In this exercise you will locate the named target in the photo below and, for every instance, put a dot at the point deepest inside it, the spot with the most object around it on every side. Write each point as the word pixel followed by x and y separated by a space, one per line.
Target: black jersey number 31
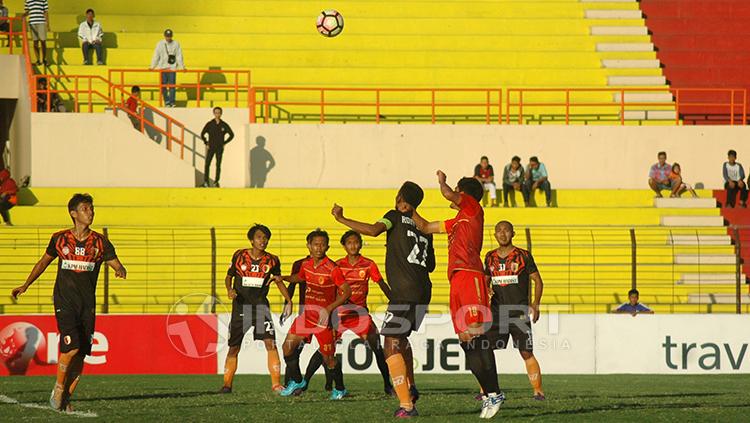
pixel 418 254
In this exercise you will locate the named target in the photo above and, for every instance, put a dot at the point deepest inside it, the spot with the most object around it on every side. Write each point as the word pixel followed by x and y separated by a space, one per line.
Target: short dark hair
pixel 90 10
pixel 675 164
pixel 411 193
pixel 505 222
pixel 349 233
pixel 662 153
pixel 516 159
pixel 318 233
pixel 219 108
pixel 135 89
pixel 633 292
pixel 258 227
pixel 471 186
pixel 732 153
pixel 484 158
pixel 79 199
pixel 534 159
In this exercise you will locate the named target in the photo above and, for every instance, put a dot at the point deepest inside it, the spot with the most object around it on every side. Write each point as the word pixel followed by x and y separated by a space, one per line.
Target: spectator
pixel 132 105
pixel 512 178
pixel 658 176
pixel 633 307
pixel 37 13
pixel 90 32
pixel 55 103
pixel 536 178
pixel 217 131
pixel 486 175
pixel 8 191
pixel 734 180
pixel 168 58
pixel 679 186
pixel 4 23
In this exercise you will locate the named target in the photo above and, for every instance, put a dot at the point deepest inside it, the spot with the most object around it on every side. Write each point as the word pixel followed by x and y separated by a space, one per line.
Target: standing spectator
pixel 512 178
pixel 678 185
pixel 536 178
pixel 658 176
pixel 91 34
pixel 132 105
pixel 734 180
pixel 486 175
pixel 55 103
pixel 168 58
pixel 36 11
pixel 633 307
pixel 4 23
pixel 217 131
pixel 8 199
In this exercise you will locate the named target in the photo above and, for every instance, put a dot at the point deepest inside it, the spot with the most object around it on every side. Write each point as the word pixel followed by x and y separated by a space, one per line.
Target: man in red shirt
pixel 132 105
pixel 8 198
pixel 486 175
pixel 325 289
pixel 469 300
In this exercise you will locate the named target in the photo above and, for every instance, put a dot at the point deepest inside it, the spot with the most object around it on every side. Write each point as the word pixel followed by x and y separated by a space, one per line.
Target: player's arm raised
pixel 369 229
pixel 119 269
pixel 37 271
pixel 538 289
pixel 448 193
pixel 424 226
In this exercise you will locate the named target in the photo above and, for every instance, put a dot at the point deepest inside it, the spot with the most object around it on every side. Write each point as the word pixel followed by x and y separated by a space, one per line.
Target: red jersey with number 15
pixel 358 276
pixel 465 236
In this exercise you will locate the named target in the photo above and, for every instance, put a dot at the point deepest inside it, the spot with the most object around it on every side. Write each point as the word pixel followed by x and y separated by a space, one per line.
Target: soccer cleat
pixel 56 397
pixel 277 388
pixel 293 388
pixel 414 394
pixel 491 405
pixel 225 390
pixel 479 397
pixel 337 395
pixel 539 397
pixel 403 413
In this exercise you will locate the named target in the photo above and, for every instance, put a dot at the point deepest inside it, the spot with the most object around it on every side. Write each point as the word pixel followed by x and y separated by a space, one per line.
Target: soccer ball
pixel 330 23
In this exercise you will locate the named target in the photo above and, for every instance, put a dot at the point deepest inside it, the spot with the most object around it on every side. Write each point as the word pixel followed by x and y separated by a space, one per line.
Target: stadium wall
pixel 13 86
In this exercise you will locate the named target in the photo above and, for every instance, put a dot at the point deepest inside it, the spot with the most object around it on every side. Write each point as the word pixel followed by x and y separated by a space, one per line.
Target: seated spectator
pixel 8 198
pixel 658 176
pixel 486 175
pixel 132 105
pixel 513 176
pixel 678 185
pixel 633 307
pixel 734 180
pixel 536 178
pixel 91 34
pixel 55 103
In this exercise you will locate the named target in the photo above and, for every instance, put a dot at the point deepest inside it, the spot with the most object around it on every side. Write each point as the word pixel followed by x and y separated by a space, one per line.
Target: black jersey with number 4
pixel 78 267
pixel 252 277
pixel 509 276
pixel 409 258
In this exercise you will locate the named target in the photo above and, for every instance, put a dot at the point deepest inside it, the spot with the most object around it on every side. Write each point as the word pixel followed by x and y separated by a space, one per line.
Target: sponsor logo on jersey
pixel 78 266
pixel 505 280
pixel 252 282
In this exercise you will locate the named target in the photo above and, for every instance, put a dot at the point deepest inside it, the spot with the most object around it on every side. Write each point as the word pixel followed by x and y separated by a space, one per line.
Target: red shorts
pixel 306 326
pixel 469 301
pixel 359 324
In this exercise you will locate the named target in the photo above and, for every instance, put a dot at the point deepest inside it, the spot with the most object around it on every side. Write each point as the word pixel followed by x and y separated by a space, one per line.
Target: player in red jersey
pixel 325 290
pixel 81 253
pixel 469 299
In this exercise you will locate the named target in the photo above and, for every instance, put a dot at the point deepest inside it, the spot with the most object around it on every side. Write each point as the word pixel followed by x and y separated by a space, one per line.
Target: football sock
pixel 230 367
pixel 62 369
pixel 535 374
pixel 382 366
pixel 274 367
pixel 74 373
pixel 480 359
pixel 338 376
pixel 409 363
pixel 293 373
pixel 313 365
pixel 397 367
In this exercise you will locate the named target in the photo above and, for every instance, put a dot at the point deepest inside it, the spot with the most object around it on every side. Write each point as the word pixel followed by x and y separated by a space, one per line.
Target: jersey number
pixel 418 253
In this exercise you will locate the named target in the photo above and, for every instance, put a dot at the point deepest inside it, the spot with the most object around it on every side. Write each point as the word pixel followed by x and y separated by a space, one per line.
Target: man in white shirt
pixel 168 58
pixel 734 180
pixel 90 33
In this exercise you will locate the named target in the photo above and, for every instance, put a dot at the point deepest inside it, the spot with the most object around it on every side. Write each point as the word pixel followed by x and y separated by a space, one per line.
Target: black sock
pixel 481 360
pixel 315 362
pixel 383 366
pixel 292 372
pixel 338 376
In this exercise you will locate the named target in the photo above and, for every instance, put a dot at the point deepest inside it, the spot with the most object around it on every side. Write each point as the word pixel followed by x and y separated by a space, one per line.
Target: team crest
pixel 67 339
pixel 321 280
pixel 266 268
pixel 243 267
pixel 514 267
pixel 361 273
pixel 96 251
pixel 66 250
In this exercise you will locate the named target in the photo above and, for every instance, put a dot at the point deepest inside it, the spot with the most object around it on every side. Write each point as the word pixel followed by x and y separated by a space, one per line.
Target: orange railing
pixel 375 102
pixel 731 102
pixel 206 80
pixel 83 92
pixel 13 33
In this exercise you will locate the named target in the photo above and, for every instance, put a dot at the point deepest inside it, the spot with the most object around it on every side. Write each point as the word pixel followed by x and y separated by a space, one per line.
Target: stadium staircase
pixel 583 246
pixel 396 44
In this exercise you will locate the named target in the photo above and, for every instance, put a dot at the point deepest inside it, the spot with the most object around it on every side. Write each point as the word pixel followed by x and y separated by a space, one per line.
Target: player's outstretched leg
pixel 230 368
pixel 397 368
pixel 274 365
pixel 334 367
pixel 373 340
pixel 292 348
pixel 316 361
pixel 535 374
pixel 481 361
pixel 57 396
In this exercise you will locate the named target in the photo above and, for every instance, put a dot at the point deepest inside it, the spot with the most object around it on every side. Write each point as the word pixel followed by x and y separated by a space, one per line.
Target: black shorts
pixel 76 327
pixel 402 318
pixel 504 327
pixel 246 316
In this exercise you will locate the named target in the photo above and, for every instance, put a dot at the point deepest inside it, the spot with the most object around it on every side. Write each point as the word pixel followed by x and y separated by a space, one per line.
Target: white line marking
pixel 8 400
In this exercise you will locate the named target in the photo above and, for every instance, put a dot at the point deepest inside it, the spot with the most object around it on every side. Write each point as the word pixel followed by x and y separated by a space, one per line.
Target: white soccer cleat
pixel 491 405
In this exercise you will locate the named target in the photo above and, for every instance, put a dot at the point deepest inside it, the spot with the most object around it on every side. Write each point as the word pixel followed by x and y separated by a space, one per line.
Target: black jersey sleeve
pixel 530 264
pixel 276 268
pixel 232 271
pixel 51 249
pixel 391 219
pixel 109 251
pixel 487 263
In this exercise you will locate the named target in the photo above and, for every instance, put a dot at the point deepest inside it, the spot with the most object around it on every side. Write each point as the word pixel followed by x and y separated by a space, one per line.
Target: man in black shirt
pixel 81 252
pixel 410 257
pixel 217 131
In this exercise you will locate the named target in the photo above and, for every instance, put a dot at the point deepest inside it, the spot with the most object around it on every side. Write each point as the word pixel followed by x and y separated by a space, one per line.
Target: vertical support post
pixel 633 261
pixel 105 303
pixel 528 240
pixel 738 267
pixel 251 104
pixel 520 107
pixel 213 270
pixel 198 89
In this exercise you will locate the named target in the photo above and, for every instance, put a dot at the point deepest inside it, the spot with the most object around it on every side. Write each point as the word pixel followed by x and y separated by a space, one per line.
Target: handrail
pixel 23 33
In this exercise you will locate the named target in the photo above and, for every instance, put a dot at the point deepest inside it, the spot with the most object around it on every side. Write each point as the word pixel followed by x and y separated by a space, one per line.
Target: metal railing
pixel 585 270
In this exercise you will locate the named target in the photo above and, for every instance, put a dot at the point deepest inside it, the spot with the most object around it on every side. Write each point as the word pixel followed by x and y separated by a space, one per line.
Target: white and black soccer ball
pixel 330 23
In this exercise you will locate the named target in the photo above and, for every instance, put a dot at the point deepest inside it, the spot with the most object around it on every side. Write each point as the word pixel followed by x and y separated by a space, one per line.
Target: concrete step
pixel 705 259
pixel 717 298
pixel 638 81
pixel 645 97
pixel 612 14
pixel 630 64
pixel 619 30
pixel 629 47
pixel 649 115
pixel 710 279
pixel 700 240
pixel 691 221
pixel 684 203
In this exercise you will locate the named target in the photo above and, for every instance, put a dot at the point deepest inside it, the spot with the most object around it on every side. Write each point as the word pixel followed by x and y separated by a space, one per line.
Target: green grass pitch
pixel 641 398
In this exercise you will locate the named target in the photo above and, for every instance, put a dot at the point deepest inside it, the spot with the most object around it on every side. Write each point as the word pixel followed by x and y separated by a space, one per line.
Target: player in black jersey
pixel 81 253
pixel 410 257
pixel 248 280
